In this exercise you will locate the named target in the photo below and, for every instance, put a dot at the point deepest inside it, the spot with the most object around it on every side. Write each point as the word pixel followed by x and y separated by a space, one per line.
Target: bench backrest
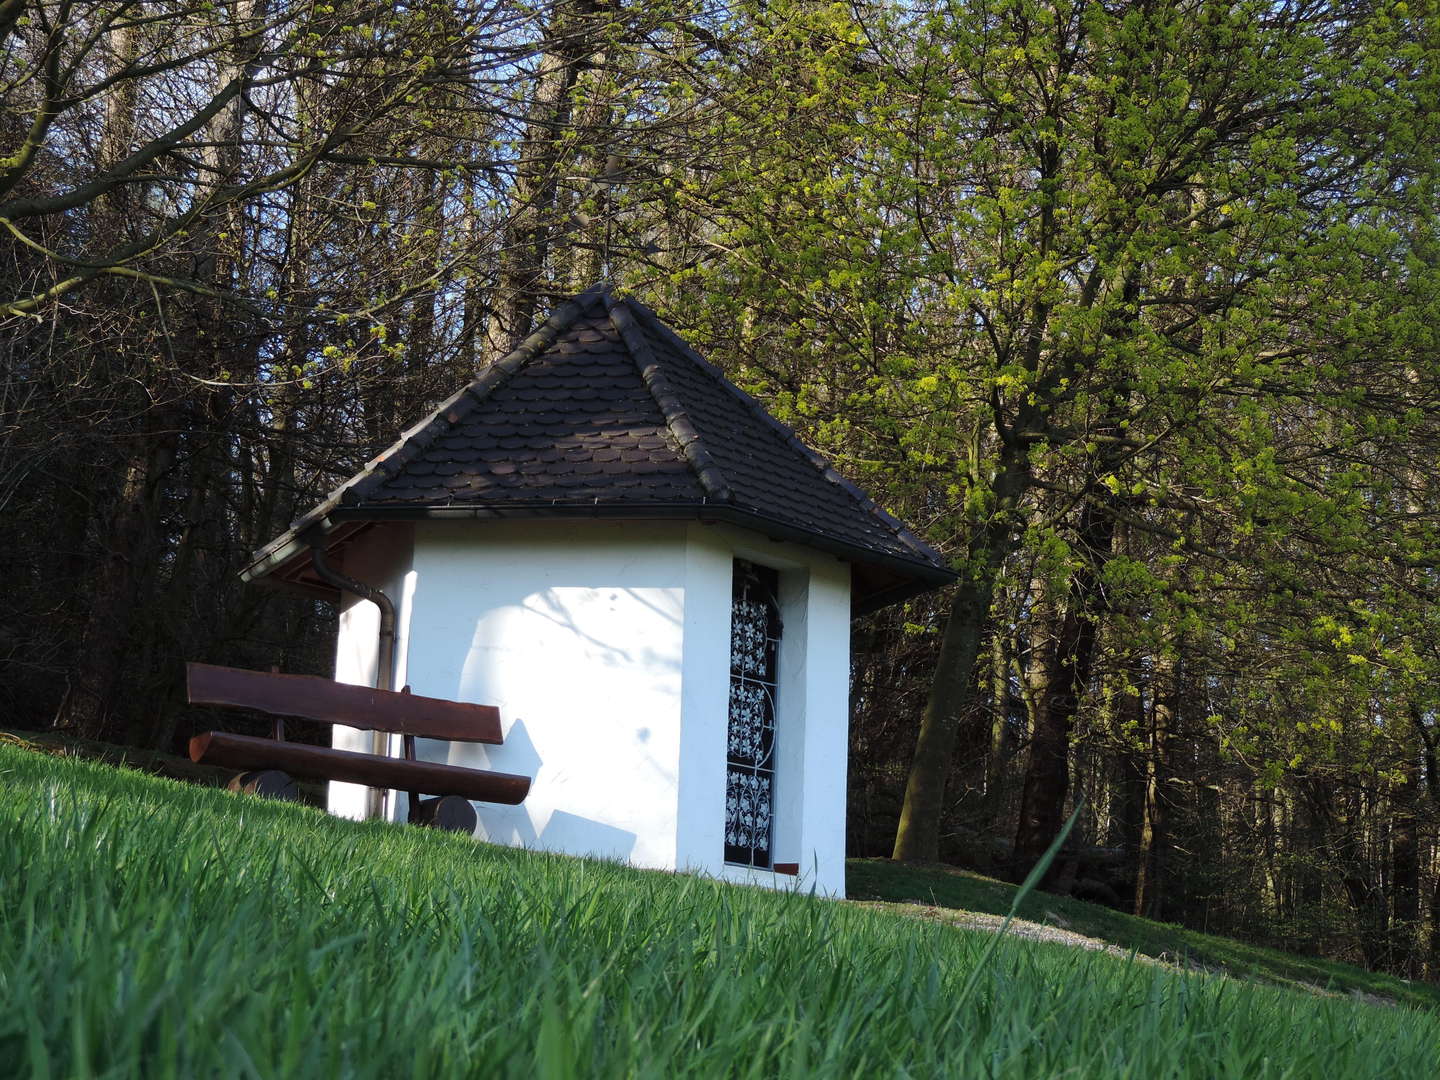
pixel 307 697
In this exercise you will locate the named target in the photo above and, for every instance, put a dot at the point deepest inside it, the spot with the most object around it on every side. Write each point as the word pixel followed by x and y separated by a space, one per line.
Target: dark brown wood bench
pixel 323 701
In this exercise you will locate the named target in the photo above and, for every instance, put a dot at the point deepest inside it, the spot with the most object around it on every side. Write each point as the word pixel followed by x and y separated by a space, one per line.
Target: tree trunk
pixel 999 750
pixel 917 839
pixel 129 554
pixel 1066 676
pixel 1367 903
pixel 1430 755
pixel 1128 772
pixel 125 533
pixel 1150 856
pixel 117 134
pixel 1405 873
pixel 1274 892
pixel 532 224
pixel 1042 793
pixel 1309 884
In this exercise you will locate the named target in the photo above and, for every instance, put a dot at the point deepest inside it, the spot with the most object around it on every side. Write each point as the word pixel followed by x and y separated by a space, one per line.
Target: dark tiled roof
pixel 573 424
pixel 606 411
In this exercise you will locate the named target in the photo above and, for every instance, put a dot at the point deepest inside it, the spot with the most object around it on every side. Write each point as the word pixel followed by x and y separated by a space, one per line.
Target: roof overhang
pixel 878 580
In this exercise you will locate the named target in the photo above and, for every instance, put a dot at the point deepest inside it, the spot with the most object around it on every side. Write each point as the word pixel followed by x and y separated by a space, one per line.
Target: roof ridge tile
pixel 787 433
pixel 669 403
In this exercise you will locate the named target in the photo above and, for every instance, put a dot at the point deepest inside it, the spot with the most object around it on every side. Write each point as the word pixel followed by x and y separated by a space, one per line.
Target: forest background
pixel 1130 307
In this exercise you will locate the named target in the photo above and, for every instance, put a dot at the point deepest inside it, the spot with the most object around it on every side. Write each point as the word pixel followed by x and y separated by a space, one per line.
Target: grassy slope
pixel 155 929
pixel 942 887
pixel 64 744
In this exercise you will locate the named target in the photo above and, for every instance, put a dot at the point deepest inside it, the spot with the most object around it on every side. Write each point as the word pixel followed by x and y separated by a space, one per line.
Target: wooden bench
pixel 323 701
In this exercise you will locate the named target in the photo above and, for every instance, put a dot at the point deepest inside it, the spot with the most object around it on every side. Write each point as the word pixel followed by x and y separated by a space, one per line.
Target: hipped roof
pixel 605 412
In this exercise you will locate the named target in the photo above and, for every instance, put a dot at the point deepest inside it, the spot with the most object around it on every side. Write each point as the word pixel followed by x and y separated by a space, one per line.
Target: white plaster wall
pixel 574 630
pixel 381 557
pixel 823 756
pixel 812 709
pixel 700 840
pixel 606 647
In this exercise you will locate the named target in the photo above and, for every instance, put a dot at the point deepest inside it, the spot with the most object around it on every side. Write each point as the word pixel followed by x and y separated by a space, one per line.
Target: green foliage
pixel 1174 261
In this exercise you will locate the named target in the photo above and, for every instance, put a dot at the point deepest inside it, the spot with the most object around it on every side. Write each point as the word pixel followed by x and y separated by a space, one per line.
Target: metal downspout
pixel 385 675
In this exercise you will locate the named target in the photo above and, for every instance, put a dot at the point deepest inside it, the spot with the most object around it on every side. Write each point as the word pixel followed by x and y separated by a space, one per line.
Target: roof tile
pixel 606 406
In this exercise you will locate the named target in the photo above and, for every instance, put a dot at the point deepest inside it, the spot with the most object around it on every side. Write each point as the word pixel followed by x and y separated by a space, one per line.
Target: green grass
pixel 151 929
pixel 943 887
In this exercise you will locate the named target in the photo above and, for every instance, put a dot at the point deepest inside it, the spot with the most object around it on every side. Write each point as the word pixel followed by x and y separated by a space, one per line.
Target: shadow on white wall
pixel 588 682
pixel 586 836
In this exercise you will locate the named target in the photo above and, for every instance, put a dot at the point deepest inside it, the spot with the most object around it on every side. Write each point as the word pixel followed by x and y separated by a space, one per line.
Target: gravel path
pixel 974 920
pixel 1048 931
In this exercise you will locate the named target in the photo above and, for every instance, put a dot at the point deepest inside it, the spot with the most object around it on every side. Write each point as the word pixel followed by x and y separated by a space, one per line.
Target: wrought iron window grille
pixel 755 629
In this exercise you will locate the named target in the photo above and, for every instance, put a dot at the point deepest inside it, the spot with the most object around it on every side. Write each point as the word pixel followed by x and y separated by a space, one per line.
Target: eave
pixel 877 579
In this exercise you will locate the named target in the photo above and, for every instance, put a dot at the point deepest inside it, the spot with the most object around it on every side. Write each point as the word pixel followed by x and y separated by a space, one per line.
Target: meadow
pixel 154 929
pixel 955 895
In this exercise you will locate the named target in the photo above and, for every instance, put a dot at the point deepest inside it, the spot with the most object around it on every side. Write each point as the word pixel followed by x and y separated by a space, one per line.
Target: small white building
pixel 651 578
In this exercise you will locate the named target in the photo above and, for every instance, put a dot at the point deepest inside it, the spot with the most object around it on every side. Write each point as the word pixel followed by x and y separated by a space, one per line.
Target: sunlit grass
pixel 944 887
pixel 150 929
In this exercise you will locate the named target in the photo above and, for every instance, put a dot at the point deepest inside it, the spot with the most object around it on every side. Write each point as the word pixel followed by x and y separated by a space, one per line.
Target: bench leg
pixel 267 783
pixel 449 812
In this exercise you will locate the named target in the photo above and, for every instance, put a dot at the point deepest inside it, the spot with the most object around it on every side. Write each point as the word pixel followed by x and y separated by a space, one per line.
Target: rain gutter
pixel 385 673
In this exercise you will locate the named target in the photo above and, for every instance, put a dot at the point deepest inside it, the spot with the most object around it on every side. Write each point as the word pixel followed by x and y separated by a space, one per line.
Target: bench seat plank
pixel 308 697
pixel 324 763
